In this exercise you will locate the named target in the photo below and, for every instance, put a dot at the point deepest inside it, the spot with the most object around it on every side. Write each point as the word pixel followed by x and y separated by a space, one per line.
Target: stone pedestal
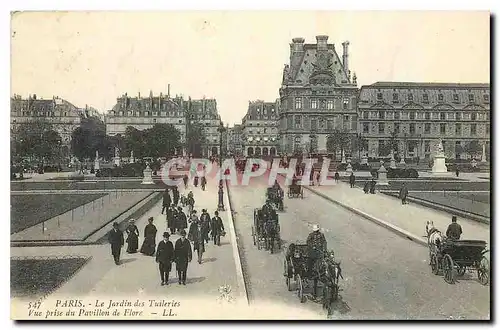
pixel 402 161
pixel 148 175
pixel 349 166
pixel 439 168
pixel 473 163
pixel 116 161
pixel 97 165
pixel 364 160
pixel 393 161
pixel 343 158
pixel 382 175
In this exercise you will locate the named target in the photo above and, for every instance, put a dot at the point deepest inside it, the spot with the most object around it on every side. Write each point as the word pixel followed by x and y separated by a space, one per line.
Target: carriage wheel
pixel 287 275
pixel 448 269
pixel 253 236
pixel 335 293
pixel 259 242
pixel 483 272
pixel 434 265
pixel 461 270
pixel 300 289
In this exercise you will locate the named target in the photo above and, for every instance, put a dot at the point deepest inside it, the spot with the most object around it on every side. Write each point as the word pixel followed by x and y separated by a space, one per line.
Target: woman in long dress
pixel 149 244
pixel 132 237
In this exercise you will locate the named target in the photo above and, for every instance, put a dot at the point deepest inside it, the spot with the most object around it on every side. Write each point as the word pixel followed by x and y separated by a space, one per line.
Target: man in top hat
pixel 182 256
pixel 205 224
pixel 181 220
pixel 316 247
pixel 454 230
pixel 165 257
pixel 217 227
pixel 115 238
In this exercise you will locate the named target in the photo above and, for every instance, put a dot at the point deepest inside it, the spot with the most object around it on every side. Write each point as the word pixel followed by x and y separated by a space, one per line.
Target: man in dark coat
pixel 403 194
pixel 115 238
pixel 205 224
pixel 149 244
pixel 175 195
pixel 337 176
pixel 366 188
pixel 195 236
pixel 185 179
pixel 181 221
pixel 182 256
pixel 166 200
pixel 352 180
pixel 454 230
pixel 217 227
pixel 373 184
pixel 171 213
pixel 316 248
pixel 165 257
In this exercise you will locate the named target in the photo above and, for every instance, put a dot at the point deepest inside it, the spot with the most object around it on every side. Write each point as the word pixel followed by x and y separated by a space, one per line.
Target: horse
pixel 434 238
pixel 271 230
pixel 329 274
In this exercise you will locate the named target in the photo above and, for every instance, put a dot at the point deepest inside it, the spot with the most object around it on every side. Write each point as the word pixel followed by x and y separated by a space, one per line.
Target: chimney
pixel 139 95
pixel 345 59
pixel 168 91
pixel 322 43
pixel 297 45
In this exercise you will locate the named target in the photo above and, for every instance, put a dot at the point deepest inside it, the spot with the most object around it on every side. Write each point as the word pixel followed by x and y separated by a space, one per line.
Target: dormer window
pixel 455 97
pixel 395 98
pixel 440 97
pixel 426 98
pixel 410 97
pixel 471 98
pixel 486 98
pixel 379 96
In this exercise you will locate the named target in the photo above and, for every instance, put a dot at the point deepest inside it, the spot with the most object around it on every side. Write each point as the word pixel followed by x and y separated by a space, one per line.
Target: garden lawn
pixel 36 278
pixel 29 210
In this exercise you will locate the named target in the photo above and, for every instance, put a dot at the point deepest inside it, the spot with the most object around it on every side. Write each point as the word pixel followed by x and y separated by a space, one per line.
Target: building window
pixel 442 128
pixel 410 97
pixel 457 115
pixel 298 103
pixel 365 115
pixel 473 116
pixel 155 113
pixel 366 128
pixel 330 104
pixel 486 98
pixel 379 96
pixel 129 113
pixel 381 128
pixel 426 98
pixel 381 115
pixel 120 113
pixel 412 115
pixel 345 104
pixel 471 98
pixel 314 104
pixel 487 129
pixel 473 130
pixel 487 116
pixel 154 121
pixel 427 128
pixel 396 115
pixel 298 121
pixel 442 116
pixel 314 124
pixel 137 114
pixel 440 97
pixel 397 128
pixel 427 116
pixel 455 98
pixel 412 128
pixel 458 129
pixel 329 124
pixel 395 97
pixel 146 113
pixel 427 146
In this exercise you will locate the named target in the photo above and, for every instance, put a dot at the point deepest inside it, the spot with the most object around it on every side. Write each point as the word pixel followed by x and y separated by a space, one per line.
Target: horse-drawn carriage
pixel 296 268
pixel 266 230
pixel 275 195
pixel 295 191
pixel 460 256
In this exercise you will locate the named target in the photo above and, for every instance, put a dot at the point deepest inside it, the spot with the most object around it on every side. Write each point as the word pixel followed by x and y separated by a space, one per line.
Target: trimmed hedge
pixel 393 173
pixel 355 167
pixel 128 170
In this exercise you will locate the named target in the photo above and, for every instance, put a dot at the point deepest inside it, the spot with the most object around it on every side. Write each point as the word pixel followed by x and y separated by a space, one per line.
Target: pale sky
pixel 92 58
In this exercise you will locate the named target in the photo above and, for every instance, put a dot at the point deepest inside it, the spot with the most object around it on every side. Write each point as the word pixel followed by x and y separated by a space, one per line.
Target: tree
pixel 36 139
pixel 134 140
pixel 89 138
pixel 162 140
pixel 393 142
pixel 339 139
pixel 473 148
pixel 358 144
pixel 195 138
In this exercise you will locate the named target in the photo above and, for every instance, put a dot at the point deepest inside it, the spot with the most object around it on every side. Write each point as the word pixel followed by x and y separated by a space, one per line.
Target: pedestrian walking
pixel 166 200
pixel 318 175
pixel 205 224
pixel 175 195
pixel 457 171
pixel 181 221
pixel 196 238
pixel 203 182
pixel 149 244
pixel 403 194
pixel 132 237
pixel 217 228
pixel 373 183
pixel 115 238
pixel 190 202
pixel 171 219
pixel 352 180
pixel 165 257
pixel 366 188
pixel 336 176
pixel 185 179
pixel 182 256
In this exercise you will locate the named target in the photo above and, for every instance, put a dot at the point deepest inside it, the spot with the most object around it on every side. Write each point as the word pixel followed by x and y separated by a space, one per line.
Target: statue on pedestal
pixel 97 166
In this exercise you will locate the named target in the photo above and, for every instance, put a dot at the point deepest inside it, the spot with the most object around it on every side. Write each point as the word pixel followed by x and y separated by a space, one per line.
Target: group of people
pixel 201 230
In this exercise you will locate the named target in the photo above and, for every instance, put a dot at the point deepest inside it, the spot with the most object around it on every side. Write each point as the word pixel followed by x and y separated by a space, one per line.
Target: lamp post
pixel 311 137
pixel 220 206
